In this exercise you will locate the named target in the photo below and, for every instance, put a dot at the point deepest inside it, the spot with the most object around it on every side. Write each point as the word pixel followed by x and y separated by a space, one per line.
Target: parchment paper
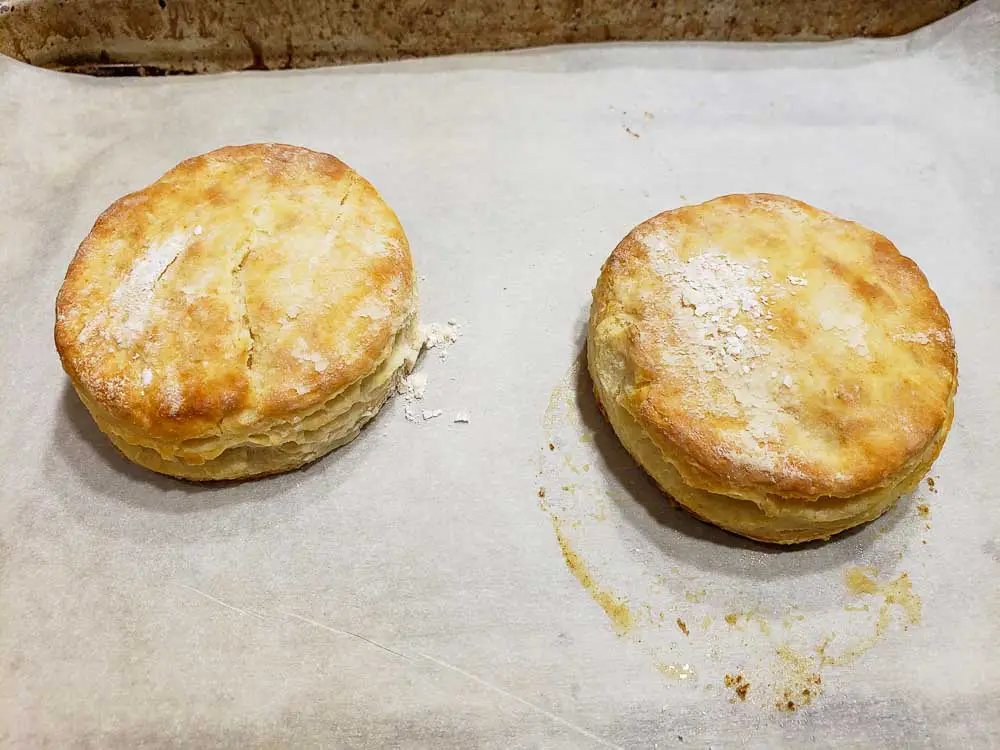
pixel 413 589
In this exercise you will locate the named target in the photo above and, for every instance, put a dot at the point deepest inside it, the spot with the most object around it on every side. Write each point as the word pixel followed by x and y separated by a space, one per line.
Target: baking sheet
pixel 123 37
pixel 413 589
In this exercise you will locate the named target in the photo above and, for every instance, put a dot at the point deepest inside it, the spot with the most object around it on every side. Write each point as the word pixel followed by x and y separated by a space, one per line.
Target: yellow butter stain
pixel 790 619
pixel 794 678
pixel 739 620
pixel 695 597
pixel 801 682
pixel 614 607
pixel 601 513
pixel 563 396
pixel 677 671
pixel 896 593
pixel 861 580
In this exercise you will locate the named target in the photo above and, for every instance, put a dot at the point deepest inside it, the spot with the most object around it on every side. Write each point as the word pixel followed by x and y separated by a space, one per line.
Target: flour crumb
pixel 787 381
pixel 437 336
pixel 147 376
pixel 302 352
pixel 462 417
pixel 197 229
pixel 413 386
pixel 798 281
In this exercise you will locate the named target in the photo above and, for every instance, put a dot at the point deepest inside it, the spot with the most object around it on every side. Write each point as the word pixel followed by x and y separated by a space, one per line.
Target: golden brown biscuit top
pixel 770 347
pixel 244 284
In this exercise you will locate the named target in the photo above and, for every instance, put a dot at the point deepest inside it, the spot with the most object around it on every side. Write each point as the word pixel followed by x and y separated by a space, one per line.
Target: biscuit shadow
pixel 81 448
pixel 104 491
pixel 653 512
pixel 95 460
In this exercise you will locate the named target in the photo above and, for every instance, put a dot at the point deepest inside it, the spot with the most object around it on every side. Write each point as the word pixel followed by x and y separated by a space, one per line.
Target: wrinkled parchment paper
pixel 414 589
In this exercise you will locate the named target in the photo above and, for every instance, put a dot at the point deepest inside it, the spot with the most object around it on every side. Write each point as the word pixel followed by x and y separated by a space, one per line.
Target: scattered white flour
pixel 718 290
pixel 798 281
pixel 197 229
pixel 88 329
pixel 171 392
pixel 922 337
pixel 437 336
pixel 850 325
pixel 716 286
pixel 462 417
pixel 842 314
pixel 302 352
pixel 371 308
pixel 131 301
pixel 724 308
pixel 147 376
pixel 413 386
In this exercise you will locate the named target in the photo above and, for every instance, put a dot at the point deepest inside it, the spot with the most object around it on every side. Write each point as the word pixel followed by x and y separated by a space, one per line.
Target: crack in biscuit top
pixel 245 282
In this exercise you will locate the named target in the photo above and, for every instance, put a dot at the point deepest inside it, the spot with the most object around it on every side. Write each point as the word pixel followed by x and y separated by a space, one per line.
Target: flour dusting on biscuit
pixel 245 314
pixel 762 360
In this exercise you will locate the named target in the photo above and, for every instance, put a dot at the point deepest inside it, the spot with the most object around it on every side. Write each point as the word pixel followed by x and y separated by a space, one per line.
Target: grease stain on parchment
pixel 668 606
pixel 676 671
pixel 614 607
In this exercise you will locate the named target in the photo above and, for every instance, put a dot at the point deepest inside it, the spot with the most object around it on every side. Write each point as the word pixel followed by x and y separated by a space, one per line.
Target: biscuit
pixel 244 315
pixel 780 372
